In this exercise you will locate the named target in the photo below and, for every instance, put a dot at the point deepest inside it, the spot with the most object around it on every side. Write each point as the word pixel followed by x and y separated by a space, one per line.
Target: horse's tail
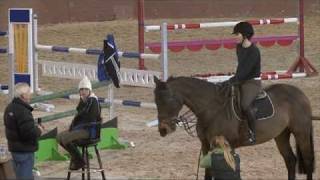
pixel 315 118
pixel 301 165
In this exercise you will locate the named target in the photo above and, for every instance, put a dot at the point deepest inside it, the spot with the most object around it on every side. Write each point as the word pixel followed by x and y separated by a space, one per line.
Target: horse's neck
pixel 196 98
pixel 209 105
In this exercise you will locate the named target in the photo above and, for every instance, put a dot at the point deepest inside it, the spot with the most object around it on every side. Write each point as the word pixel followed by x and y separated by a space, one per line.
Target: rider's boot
pixel 251 116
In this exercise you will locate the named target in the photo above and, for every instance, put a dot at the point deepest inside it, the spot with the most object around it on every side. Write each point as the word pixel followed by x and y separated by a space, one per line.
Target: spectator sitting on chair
pixel 88 112
pixel 21 132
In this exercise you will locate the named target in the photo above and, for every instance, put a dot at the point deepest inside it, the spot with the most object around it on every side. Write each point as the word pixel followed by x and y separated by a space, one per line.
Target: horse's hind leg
pixel 283 144
pixel 305 152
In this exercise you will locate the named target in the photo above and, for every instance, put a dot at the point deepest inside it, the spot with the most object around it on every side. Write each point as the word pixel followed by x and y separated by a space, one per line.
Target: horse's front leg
pixel 205 147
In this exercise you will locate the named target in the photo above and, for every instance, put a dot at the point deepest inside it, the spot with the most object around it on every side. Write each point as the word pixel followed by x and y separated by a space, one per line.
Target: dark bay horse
pixel 293 115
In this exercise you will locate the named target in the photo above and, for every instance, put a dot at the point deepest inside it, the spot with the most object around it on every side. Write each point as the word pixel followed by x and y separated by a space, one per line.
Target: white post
pixel 35 54
pixel 111 98
pixel 30 50
pixel 164 51
pixel 11 58
pixel 11 74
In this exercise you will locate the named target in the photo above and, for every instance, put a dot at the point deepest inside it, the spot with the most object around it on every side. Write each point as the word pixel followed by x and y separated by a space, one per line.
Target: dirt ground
pixel 175 156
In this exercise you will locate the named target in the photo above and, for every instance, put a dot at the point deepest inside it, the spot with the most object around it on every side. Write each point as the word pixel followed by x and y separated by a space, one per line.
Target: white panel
pixel 131 77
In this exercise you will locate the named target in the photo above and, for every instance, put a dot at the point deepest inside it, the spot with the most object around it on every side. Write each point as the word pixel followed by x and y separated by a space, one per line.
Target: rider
pixel 249 68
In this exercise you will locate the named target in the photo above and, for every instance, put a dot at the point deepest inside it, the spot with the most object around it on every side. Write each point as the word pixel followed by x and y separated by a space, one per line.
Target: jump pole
pixel 64 114
pixel 64 93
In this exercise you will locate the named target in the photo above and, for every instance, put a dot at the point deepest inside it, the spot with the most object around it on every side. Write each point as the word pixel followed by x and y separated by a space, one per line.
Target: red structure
pixel 141 31
pixel 300 65
pixel 197 45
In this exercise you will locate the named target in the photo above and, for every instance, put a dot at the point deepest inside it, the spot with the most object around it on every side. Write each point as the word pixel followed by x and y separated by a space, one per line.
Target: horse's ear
pixel 159 84
pixel 156 80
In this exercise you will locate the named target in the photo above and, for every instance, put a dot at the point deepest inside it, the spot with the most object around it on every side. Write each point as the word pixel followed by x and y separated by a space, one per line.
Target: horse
pixel 212 108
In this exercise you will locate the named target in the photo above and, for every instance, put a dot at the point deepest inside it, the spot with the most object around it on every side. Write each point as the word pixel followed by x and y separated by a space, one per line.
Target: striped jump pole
pixel 65 114
pixel 221 24
pixel 4 89
pixel 130 103
pixel 93 51
pixel 3 33
pixel 64 93
pixel 264 76
pixel 232 73
pixel 3 50
pixel 282 76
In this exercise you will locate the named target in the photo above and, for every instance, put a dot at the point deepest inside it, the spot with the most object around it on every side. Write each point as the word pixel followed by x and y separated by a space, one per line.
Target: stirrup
pixel 252 138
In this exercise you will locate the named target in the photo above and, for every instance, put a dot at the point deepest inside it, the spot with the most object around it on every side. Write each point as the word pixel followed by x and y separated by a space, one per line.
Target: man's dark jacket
pixel 21 132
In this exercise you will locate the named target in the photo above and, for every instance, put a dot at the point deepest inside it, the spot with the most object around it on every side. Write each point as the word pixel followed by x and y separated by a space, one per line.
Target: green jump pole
pixel 62 94
pixel 65 114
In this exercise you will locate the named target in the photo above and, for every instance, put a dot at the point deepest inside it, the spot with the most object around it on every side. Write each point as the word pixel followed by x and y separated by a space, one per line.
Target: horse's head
pixel 168 106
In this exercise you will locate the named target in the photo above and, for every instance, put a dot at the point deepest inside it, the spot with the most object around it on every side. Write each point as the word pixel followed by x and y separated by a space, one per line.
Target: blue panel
pixel 94 51
pixel 131 55
pixel 22 78
pixel 4 87
pixel 60 49
pixel 2 33
pixel 131 103
pixel 3 50
pixel 19 15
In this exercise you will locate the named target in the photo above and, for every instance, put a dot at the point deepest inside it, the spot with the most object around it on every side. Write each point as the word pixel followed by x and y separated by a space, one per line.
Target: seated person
pixel 88 111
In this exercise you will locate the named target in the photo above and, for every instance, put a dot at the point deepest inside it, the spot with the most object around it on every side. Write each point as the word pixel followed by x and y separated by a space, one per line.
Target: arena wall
pixel 62 11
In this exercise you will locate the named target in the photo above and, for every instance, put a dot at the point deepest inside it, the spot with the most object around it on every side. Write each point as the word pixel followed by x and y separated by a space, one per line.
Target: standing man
pixel 249 68
pixel 21 131
pixel 88 113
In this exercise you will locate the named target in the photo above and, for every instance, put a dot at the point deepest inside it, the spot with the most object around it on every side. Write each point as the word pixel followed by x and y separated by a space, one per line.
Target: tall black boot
pixel 77 161
pixel 251 116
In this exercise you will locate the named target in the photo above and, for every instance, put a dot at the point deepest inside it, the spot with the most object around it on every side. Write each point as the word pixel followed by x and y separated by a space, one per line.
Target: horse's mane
pixel 221 88
pixel 198 82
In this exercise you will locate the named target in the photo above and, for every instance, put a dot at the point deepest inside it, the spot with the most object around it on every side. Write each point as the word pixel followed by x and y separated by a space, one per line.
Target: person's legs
pixel 23 164
pixel 249 91
pixel 66 139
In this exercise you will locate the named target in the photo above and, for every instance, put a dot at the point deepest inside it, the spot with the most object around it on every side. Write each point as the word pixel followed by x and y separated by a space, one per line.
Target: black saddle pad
pixel 263 107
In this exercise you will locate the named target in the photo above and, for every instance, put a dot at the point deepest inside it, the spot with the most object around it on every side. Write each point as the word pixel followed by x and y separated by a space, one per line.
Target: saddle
pixel 262 105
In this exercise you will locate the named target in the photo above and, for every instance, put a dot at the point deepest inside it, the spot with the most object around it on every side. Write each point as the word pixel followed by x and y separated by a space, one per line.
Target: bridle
pixel 189 121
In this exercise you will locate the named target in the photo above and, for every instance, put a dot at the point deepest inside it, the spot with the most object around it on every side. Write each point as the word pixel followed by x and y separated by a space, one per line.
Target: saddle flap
pixel 263 106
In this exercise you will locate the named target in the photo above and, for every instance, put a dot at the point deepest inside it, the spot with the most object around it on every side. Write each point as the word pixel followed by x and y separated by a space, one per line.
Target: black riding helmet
pixel 244 28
